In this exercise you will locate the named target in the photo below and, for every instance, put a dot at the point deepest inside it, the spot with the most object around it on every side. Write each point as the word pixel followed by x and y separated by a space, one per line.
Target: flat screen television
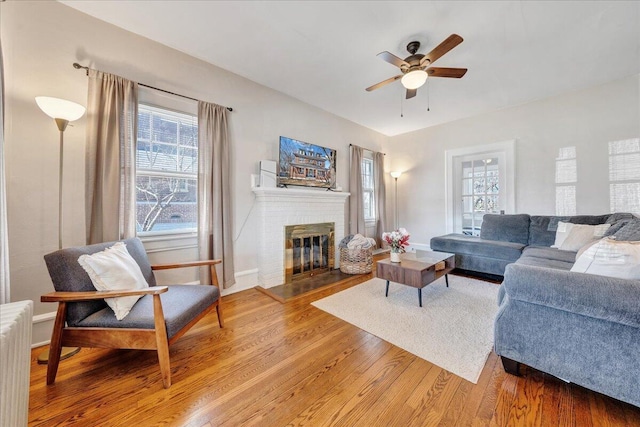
pixel 309 165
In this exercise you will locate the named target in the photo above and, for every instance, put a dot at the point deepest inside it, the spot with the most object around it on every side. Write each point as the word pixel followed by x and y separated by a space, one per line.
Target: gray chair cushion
pixel 473 245
pixel 180 305
pixel 506 228
pixel 68 275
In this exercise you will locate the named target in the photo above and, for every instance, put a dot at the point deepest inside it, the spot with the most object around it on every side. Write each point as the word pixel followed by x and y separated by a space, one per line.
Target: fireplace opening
pixel 309 250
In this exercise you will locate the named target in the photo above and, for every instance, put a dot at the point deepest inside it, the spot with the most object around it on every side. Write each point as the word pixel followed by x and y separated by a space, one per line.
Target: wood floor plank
pixel 291 364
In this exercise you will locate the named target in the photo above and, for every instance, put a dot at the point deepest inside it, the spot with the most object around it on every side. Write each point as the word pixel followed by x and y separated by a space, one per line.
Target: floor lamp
pixel 395 176
pixel 63 112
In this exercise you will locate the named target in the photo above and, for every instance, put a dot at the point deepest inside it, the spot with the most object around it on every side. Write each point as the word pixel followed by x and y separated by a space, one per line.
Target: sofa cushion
pixel 473 245
pixel 180 304
pixel 506 228
pixel 629 232
pixel 544 252
pixel 545 262
pixel 542 228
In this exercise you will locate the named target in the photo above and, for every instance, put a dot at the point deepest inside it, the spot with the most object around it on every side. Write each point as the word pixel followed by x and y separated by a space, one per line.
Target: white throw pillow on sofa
pixel 611 258
pixel 561 233
pixel 581 234
pixel 114 269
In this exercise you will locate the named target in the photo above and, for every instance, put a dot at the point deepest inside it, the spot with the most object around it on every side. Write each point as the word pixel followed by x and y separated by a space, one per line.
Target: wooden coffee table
pixel 417 269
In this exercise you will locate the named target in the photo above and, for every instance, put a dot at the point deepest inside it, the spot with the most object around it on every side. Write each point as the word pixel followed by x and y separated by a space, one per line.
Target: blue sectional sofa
pixel 582 328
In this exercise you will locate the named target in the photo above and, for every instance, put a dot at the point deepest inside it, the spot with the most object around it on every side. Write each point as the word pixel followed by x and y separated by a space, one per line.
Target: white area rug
pixel 453 329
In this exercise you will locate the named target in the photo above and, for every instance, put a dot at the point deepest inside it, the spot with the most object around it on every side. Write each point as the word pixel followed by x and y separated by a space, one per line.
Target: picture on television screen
pixel 306 164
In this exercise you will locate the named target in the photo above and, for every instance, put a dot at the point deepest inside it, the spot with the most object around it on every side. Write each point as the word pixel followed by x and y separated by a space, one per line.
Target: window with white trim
pixel 166 171
pixel 368 189
pixel 480 180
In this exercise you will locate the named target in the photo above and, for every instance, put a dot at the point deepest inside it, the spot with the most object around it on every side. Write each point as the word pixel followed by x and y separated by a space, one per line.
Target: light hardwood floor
pixel 292 364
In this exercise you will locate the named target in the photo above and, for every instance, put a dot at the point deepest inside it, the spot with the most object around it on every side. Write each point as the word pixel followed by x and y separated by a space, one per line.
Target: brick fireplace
pixel 278 208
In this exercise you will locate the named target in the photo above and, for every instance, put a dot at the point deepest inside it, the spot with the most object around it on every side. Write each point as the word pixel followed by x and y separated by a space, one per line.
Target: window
pixel 480 180
pixel 166 171
pixel 624 175
pixel 480 194
pixel 368 188
pixel 566 179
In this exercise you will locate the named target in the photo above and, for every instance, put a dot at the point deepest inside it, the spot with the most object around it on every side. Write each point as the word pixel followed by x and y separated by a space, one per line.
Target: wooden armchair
pixel 158 319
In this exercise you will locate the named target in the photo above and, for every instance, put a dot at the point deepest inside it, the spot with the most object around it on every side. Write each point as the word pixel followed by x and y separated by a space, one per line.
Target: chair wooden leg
pixel 219 311
pixel 162 343
pixel 56 343
pixel 214 282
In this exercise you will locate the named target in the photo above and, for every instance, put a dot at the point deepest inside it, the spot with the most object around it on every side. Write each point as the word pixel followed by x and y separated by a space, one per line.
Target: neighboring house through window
pixel 166 171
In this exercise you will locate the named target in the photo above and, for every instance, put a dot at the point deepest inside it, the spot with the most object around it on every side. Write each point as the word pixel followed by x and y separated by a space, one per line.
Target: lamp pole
pixel 62 125
pixel 63 112
pixel 395 176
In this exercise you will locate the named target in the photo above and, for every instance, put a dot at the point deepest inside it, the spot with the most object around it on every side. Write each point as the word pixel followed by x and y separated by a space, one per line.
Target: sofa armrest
pixel 607 298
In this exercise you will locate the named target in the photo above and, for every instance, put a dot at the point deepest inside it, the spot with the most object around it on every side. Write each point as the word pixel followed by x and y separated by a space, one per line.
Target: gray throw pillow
pixel 629 231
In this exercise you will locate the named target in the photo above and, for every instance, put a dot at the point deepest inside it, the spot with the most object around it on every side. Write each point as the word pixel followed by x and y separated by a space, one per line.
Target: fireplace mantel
pixel 279 207
pixel 295 193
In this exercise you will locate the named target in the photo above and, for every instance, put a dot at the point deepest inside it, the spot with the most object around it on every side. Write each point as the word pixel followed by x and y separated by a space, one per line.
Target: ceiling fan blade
pixel 384 82
pixel 452 41
pixel 394 60
pixel 411 93
pixel 456 73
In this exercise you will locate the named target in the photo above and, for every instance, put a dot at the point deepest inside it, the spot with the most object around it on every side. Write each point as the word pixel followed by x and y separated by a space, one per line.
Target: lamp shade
pixel 57 108
pixel 396 175
pixel 414 79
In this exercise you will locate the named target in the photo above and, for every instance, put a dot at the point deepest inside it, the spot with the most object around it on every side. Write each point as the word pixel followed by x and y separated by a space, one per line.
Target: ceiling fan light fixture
pixel 414 79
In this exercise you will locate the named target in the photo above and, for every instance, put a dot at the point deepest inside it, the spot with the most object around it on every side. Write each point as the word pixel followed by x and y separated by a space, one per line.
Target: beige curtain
pixel 215 226
pixel 112 111
pixel 356 205
pixel 5 295
pixel 380 197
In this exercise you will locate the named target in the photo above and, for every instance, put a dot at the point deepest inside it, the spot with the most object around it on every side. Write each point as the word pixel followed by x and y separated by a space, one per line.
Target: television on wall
pixel 309 165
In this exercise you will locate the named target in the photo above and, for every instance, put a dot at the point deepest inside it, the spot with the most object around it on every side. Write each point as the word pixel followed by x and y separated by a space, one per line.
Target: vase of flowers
pixel 397 240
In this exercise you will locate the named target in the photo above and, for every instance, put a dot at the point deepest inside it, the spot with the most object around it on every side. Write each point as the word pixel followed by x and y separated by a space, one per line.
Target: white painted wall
pixel 586 119
pixel 40 41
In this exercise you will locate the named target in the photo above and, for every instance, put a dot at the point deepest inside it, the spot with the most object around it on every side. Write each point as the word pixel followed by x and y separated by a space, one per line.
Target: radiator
pixel 15 362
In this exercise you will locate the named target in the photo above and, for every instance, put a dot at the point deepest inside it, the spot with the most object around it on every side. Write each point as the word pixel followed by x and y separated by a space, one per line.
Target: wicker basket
pixel 356 261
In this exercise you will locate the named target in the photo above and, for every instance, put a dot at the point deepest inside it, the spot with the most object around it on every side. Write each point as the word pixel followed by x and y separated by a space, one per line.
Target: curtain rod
pixel 78 66
pixel 350 145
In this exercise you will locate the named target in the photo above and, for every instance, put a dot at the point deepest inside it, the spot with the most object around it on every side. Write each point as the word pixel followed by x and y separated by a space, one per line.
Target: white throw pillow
pixel 561 233
pixel 581 234
pixel 611 258
pixel 114 269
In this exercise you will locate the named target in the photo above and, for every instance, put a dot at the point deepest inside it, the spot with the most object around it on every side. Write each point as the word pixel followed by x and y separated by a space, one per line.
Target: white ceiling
pixel 324 52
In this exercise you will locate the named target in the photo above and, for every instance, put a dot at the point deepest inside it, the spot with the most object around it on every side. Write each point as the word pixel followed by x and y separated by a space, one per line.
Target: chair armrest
pixel 96 295
pixel 186 264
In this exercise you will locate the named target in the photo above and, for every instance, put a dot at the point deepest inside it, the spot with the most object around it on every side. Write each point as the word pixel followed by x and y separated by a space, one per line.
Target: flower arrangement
pixel 397 239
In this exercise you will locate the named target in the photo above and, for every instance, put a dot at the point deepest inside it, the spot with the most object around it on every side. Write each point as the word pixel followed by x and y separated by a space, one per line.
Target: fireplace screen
pixel 309 250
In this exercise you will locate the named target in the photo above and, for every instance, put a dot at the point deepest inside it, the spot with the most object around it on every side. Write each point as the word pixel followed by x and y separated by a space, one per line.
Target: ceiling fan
pixel 416 67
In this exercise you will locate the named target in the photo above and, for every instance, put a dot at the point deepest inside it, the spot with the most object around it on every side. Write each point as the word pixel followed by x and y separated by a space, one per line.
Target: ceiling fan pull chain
pixel 401 103
pixel 428 96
